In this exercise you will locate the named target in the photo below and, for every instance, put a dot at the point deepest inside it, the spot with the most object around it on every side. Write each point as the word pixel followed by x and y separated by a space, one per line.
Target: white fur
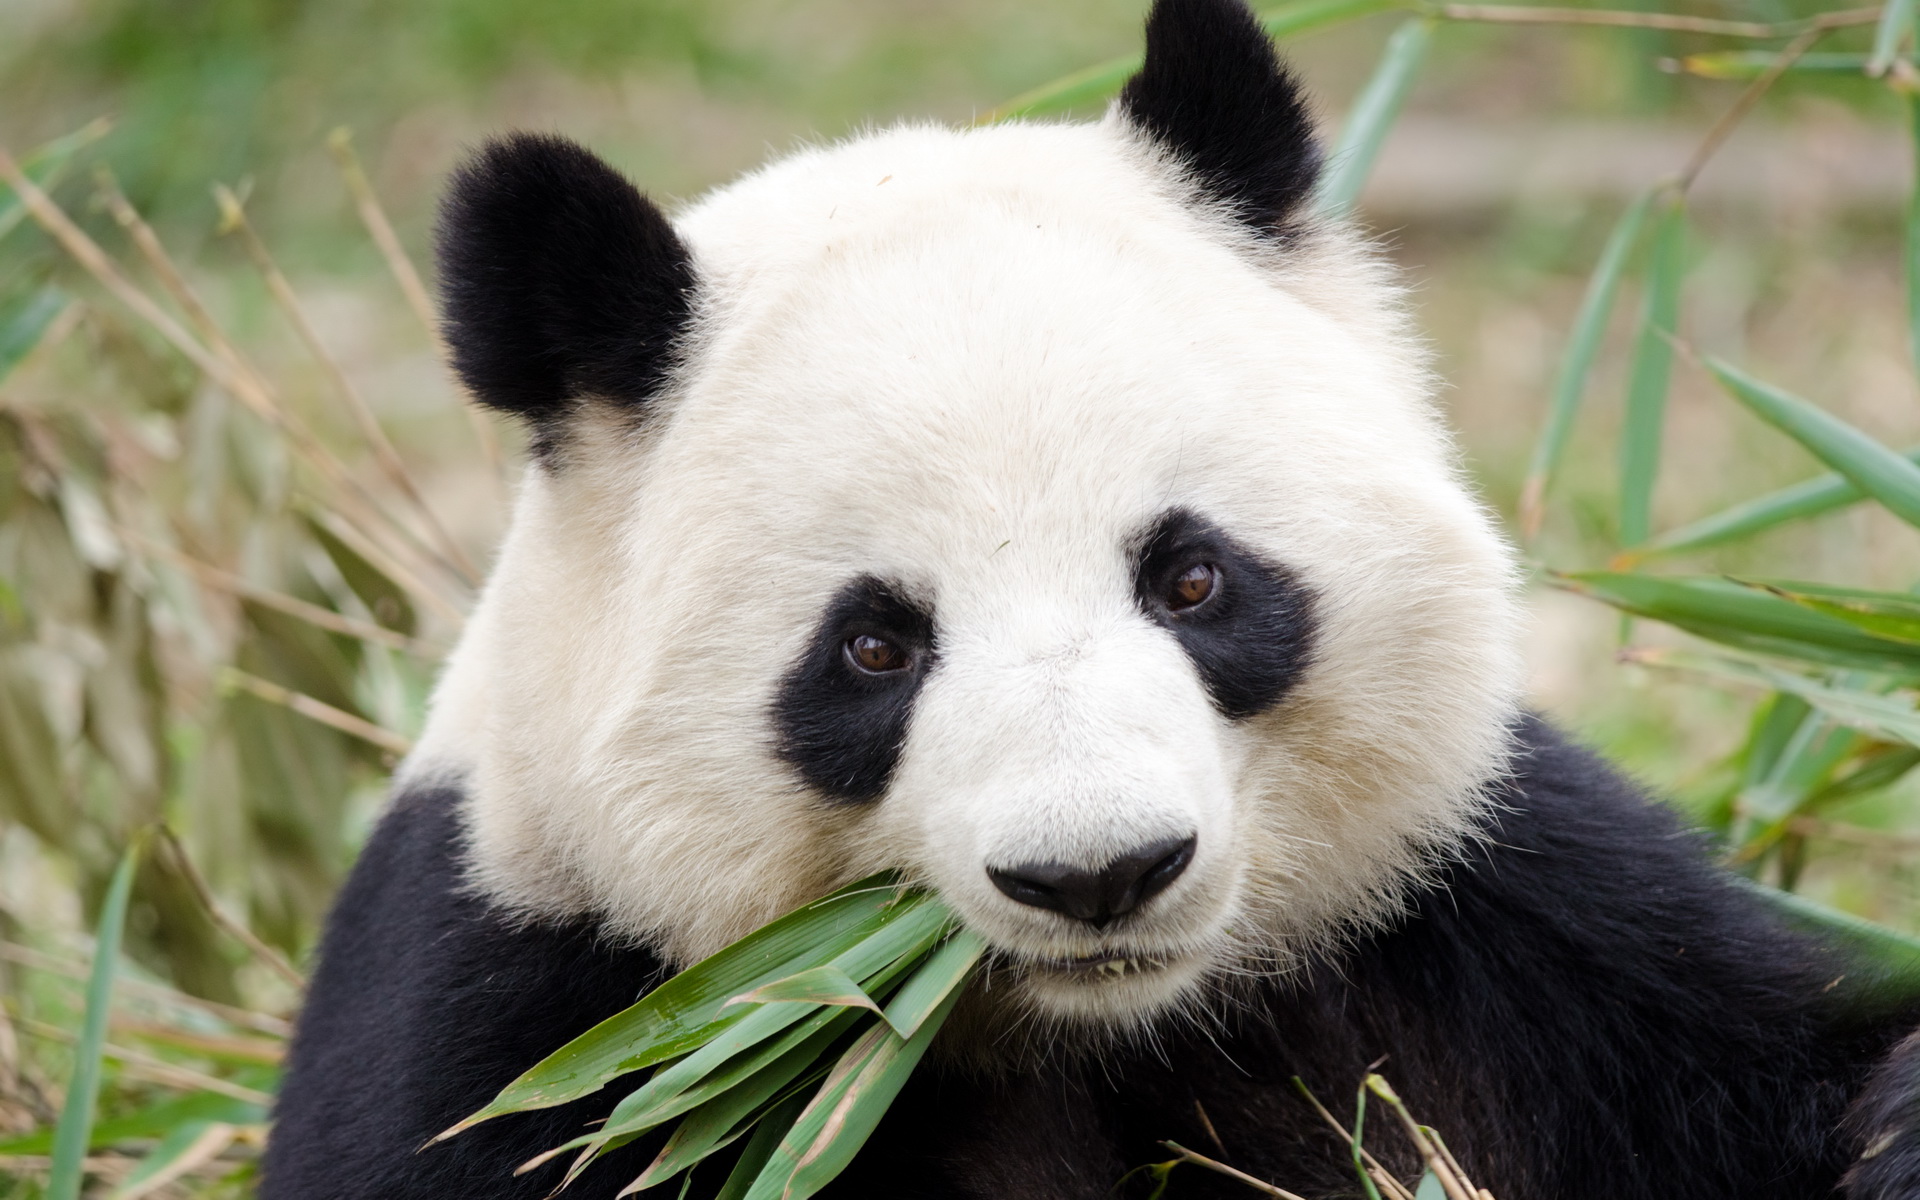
pixel 981 363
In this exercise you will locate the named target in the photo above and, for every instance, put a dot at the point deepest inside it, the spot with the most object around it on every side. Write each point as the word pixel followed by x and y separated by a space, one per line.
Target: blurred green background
pixel 162 548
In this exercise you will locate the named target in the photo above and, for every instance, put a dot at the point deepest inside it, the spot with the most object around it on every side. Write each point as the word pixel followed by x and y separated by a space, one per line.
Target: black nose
pixel 1100 895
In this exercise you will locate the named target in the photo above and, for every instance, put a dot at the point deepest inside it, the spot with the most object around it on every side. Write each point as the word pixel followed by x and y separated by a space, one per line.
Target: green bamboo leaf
pixel 766 1033
pixel 1754 619
pixel 1895 955
pixel 46 165
pixel 75 1131
pixel 1570 382
pixel 1879 472
pixel 1913 239
pixel 153 1121
pixel 24 321
pixel 1891 615
pixel 1642 433
pixel 820 985
pixel 1430 1188
pixel 1373 115
pixel 846 1109
pixel 1751 64
pixel 189 1138
pixel 1812 498
pixel 1889 718
pixel 1896 21
pixel 767 1136
pixel 928 987
pixel 684 1012
pixel 720 1121
pixel 1101 80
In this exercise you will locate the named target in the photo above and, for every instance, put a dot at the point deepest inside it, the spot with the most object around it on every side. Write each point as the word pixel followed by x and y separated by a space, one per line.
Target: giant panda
pixel 1057 514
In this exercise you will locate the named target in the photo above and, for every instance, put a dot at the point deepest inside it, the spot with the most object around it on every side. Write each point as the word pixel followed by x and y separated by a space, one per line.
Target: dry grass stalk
pixel 240 381
pixel 199 1154
pixel 313 614
pixel 1213 1164
pixel 389 566
pixel 156 1070
pixel 1382 1178
pixel 1724 127
pixel 183 862
pixel 1454 1183
pixel 374 217
pixel 318 710
pixel 245 1018
pixel 233 219
pixel 1518 14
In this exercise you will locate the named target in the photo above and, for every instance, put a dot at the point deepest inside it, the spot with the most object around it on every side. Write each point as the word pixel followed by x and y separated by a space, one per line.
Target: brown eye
pixel 875 656
pixel 1192 586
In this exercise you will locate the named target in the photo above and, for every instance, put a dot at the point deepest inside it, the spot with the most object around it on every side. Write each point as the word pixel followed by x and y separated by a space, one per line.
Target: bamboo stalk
pixel 367 203
pixel 1729 120
pixel 1380 1174
pixel 1455 1187
pixel 233 219
pixel 318 710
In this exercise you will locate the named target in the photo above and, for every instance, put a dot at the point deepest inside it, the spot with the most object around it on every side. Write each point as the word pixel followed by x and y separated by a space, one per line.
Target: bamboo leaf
pixel 180 1150
pixel 1891 615
pixel 24 322
pixel 1372 116
pixel 1879 472
pixel 1751 64
pixel 1913 239
pixel 946 969
pixel 768 1031
pixel 1642 434
pixel 1889 718
pixel 1430 1188
pixel 767 1136
pixel 1104 79
pixel 1896 22
pixel 1570 382
pixel 845 1111
pixel 685 1012
pixel 46 165
pixel 1895 955
pixel 1754 619
pixel 1812 498
pixel 820 985
pixel 75 1130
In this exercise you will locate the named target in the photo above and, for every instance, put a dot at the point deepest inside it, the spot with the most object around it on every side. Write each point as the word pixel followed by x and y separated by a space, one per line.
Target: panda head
pixel 1053 513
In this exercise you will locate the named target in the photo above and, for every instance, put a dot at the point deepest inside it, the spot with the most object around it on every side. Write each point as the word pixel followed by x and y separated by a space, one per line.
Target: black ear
pixel 1214 93
pixel 558 280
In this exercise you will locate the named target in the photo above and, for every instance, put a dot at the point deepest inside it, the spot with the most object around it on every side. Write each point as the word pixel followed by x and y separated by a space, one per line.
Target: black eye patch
pixel 840 724
pixel 1252 634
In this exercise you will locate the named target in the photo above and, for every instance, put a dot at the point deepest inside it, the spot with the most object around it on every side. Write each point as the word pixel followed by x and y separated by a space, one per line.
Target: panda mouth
pixel 1106 966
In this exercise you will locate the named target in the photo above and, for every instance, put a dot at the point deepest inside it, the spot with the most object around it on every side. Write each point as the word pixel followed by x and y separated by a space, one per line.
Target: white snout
pixel 1066 765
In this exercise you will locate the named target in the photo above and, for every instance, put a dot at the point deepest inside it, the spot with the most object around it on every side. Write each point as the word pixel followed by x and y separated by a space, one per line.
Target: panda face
pixel 1016 517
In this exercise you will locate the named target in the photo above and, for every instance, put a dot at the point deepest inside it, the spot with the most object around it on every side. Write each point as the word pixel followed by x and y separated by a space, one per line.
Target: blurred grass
pixel 202 627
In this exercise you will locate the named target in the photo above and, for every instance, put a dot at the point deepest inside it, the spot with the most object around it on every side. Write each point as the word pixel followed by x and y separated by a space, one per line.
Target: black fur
pixel 559 280
pixel 1213 93
pixel 843 730
pixel 1585 1008
pixel 1252 637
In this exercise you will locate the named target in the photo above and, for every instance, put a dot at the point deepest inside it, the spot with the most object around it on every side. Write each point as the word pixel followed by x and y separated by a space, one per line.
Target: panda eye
pixel 875 656
pixel 1192 587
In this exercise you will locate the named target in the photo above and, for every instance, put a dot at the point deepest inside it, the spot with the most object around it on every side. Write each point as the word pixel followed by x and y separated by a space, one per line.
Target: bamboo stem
pixel 1213 1164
